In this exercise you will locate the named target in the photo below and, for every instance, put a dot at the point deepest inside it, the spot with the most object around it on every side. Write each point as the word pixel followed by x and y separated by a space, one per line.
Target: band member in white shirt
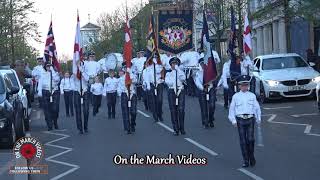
pixel 81 99
pixel 36 73
pixel 137 68
pixel 176 95
pixel 66 89
pixel 154 83
pixel 110 90
pixel 97 91
pixel 49 91
pixel 128 99
pixel 244 111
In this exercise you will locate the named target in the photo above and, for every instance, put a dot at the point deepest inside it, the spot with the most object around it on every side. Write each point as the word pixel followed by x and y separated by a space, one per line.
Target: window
pixel 8 83
pixel 283 63
pixel 13 79
pixel 257 63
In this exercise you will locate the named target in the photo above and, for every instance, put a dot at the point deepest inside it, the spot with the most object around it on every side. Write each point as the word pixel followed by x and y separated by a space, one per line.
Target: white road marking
pixel 201 147
pixel 165 126
pixel 64 136
pixel 250 174
pixel 307 130
pixel 271 108
pixel 144 114
pixel 300 115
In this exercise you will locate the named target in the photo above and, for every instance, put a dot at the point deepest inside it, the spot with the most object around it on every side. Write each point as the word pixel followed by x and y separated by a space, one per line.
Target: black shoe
pixel 183 132
pixel 113 116
pixel 86 131
pixel 129 132
pixel 50 129
pixel 56 126
pixel 252 161
pixel 176 133
pixel 211 125
pixel 225 106
pixel 109 116
pixel 161 119
pixel 80 132
pixel 245 164
pixel 71 115
pixel 133 129
pixel 205 127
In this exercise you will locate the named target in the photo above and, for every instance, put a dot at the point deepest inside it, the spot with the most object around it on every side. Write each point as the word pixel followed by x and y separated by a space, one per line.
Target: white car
pixel 22 94
pixel 283 75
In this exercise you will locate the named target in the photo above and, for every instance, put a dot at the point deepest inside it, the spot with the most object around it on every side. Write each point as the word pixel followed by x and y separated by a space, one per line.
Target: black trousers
pixel 82 121
pixel 156 101
pixel 111 103
pixel 96 100
pixel 139 92
pixel 145 96
pixel 129 114
pixel 51 109
pixel 246 135
pixel 207 107
pixel 68 101
pixel 191 87
pixel 177 111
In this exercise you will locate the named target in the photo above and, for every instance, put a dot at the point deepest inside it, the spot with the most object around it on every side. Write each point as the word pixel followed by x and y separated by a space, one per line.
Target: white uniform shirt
pixel 66 85
pixel 247 65
pixel 165 61
pixel 91 68
pixel 170 79
pixel 110 85
pixel 149 76
pixel 37 71
pixel 44 81
pixel 244 103
pixel 76 82
pixel 215 56
pixel 190 58
pixel 138 64
pixel 145 79
pixel 96 89
pixel 198 80
pixel 122 87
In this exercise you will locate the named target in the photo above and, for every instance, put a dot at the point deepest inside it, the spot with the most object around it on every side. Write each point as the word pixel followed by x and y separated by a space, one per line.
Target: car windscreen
pixel 13 79
pixel 283 63
pixel 2 88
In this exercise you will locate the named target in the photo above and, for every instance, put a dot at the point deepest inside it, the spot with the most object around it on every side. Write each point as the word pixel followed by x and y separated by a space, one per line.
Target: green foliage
pixel 16 28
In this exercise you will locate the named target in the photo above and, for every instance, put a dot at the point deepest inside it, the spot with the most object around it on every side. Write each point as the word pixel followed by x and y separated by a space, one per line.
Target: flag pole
pixel 129 84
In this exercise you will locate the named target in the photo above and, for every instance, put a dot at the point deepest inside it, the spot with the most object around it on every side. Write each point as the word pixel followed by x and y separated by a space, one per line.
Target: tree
pixel 16 29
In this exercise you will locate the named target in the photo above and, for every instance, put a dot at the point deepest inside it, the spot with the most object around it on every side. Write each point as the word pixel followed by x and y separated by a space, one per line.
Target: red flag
pixel 210 69
pixel 77 51
pixel 127 49
pixel 50 51
pixel 246 36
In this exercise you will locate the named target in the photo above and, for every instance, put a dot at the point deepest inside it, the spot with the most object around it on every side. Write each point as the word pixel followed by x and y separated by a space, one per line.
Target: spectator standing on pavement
pixel 97 91
pixel 110 90
pixel 244 111
pixel 48 90
pixel 66 90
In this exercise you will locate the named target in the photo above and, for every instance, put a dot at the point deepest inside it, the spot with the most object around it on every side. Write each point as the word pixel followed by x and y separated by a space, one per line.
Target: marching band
pixel 150 80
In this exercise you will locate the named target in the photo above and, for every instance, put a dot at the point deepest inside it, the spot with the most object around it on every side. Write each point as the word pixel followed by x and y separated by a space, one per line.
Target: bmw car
pixel 284 75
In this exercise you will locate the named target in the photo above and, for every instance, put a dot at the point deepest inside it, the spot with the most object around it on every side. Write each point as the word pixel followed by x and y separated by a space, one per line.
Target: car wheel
pixel 20 129
pixel 262 94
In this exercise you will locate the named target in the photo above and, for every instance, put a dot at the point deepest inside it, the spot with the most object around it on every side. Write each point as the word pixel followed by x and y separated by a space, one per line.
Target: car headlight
pixel 316 79
pixel 272 83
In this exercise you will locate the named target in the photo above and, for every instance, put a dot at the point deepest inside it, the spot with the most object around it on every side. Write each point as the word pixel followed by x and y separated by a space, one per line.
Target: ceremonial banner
pixel 175 31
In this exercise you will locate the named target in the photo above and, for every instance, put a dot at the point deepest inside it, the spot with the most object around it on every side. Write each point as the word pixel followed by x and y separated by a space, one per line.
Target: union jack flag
pixel 50 51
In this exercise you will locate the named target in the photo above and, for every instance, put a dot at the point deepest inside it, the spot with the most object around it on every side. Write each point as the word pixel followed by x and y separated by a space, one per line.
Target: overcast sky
pixel 64 14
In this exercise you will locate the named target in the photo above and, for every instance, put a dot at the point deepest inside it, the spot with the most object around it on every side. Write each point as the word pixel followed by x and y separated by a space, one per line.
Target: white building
pixel 269 30
pixel 89 34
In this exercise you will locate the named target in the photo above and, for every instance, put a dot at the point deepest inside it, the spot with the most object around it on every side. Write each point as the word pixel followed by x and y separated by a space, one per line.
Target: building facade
pixel 89 34
pixel 270 34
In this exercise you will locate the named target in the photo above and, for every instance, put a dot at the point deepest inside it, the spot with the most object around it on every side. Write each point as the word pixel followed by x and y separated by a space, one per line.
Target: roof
pixel 268 56
pixel 90 26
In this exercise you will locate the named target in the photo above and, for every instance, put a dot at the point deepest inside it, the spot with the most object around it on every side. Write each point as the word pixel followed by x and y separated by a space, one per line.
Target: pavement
pixel 290 128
